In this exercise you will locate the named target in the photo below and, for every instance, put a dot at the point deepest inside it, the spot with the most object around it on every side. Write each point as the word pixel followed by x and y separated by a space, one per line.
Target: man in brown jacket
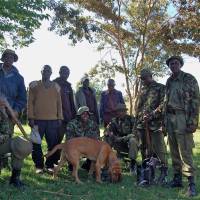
pixel 45 111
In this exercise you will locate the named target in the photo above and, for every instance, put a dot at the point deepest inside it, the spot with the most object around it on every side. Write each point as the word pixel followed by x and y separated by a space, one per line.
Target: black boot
pixel 191 187
pixel 177 181
pixel 133 166
pixel 15 179
pixel 86 165
pixel 162 180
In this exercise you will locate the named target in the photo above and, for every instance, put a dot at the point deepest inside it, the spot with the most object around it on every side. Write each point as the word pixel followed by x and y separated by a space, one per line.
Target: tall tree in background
pixel 135 33
pixel 19 19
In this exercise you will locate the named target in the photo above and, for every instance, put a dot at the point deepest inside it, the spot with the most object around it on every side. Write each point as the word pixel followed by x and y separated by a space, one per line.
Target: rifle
pixel 148 139
pixel 15 119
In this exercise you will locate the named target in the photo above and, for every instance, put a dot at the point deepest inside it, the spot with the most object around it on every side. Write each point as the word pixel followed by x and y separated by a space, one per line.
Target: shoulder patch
pixel 33 84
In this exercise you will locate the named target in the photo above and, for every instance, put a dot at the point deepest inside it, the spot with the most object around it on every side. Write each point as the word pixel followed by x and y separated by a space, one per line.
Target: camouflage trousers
pixel 158 146
pixel 130 146
pixel 5 148
pixel 180 143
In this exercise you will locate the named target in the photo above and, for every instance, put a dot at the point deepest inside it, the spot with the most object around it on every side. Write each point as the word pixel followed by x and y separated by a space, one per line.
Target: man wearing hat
pixel 12 89
pixel 119 134
pixel 108 102
pixel 149 121
pixel 83 126
pixel 86 96
pixel 181 109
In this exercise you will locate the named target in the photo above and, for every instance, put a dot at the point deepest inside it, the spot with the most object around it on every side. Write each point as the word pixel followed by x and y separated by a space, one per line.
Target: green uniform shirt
pixel 151 97
pixel 75 128
pixel 122 127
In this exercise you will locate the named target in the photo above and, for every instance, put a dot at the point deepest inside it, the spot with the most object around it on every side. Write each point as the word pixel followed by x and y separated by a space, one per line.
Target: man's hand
pixel 191 129
pixel 108 133
pixel 31 123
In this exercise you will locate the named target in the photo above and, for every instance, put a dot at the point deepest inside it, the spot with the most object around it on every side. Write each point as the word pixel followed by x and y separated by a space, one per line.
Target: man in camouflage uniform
pixel 181 108
pixel 83 126
pixel 119 134
pixel 149 120
pixel 18 147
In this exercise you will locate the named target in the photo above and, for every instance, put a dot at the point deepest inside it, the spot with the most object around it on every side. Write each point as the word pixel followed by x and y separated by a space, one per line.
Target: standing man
pixel 85 96
pixel 181 110
pixel 45 111
pixel 67 97
pixel 108 102
pixel 119 134
pixel 12 89
pixel 149 121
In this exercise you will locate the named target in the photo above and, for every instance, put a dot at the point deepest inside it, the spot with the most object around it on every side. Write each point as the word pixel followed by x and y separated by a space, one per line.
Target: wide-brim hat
pixel 121 107
pixel 83 109
pixel 177 58
pixel 9 51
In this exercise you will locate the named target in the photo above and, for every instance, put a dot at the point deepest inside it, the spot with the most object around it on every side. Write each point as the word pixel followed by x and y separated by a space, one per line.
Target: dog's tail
pixel 57 147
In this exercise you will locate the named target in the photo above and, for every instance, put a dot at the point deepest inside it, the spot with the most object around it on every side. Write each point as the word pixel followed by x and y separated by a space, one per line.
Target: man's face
pixel 111 86
pixel 9 59
pixel 175 66
pixel 86 83
pixel 46 72
pixel 64 73
pixel 84 116
pixel 146 80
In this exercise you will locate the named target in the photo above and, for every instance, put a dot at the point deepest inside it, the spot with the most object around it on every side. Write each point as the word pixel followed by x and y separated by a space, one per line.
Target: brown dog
pixel 97 151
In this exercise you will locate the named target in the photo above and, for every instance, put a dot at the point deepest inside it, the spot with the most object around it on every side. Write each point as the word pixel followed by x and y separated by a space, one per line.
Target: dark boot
pixel 86 165
pixel 162 180
pixel 15 179
pixel 133 166
pixel 191 187
pixel 177 181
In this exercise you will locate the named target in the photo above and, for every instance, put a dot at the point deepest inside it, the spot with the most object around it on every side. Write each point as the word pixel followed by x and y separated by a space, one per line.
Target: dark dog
pixel 100 153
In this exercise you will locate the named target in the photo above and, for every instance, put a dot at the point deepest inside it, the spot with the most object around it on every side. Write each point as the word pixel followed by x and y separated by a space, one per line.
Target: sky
pixel 56 51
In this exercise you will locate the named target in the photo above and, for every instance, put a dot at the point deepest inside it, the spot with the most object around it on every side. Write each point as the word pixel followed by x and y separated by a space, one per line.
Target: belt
pixel 174 111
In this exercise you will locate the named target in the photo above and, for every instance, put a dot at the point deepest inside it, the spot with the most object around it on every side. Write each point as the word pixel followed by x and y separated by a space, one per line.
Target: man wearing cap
pixel 181 109
pixel 83 126
pixel 45 112
pixel 119 134
pixel 149 121
pixel 85 96
pixel 108 102
pixel 12 89
pixel 67 97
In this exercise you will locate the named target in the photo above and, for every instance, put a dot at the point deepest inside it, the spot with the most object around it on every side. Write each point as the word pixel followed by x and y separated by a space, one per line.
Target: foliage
pixel 19 19
pixel 133 34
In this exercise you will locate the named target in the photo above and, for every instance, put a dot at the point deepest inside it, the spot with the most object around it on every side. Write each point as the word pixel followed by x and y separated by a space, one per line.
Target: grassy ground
pixel 43 187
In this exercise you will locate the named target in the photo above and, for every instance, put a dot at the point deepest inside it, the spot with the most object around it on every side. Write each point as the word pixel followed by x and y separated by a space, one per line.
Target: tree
pixel 19 19
pixel 134 33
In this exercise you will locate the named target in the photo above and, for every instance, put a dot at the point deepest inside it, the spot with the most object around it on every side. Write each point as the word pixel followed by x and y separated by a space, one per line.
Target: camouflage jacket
pixel 75 128
pixel 151 97
pixel 189 97
pixel 122 127
pixel 5 132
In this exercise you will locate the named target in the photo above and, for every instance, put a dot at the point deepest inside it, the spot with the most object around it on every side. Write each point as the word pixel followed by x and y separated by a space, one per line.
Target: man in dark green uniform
pixel 18 147
pixel 83 126
pixel 119 134
pixel 149 121
pixel 181 108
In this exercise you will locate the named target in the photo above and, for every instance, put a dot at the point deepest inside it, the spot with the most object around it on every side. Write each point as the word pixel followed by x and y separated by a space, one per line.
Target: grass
pixel 43 187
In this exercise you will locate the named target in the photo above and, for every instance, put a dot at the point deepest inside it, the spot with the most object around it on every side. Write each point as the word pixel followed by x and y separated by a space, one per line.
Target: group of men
pixel 52 108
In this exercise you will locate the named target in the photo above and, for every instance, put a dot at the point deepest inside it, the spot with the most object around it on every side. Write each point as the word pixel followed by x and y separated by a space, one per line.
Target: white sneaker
pixel 39 171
